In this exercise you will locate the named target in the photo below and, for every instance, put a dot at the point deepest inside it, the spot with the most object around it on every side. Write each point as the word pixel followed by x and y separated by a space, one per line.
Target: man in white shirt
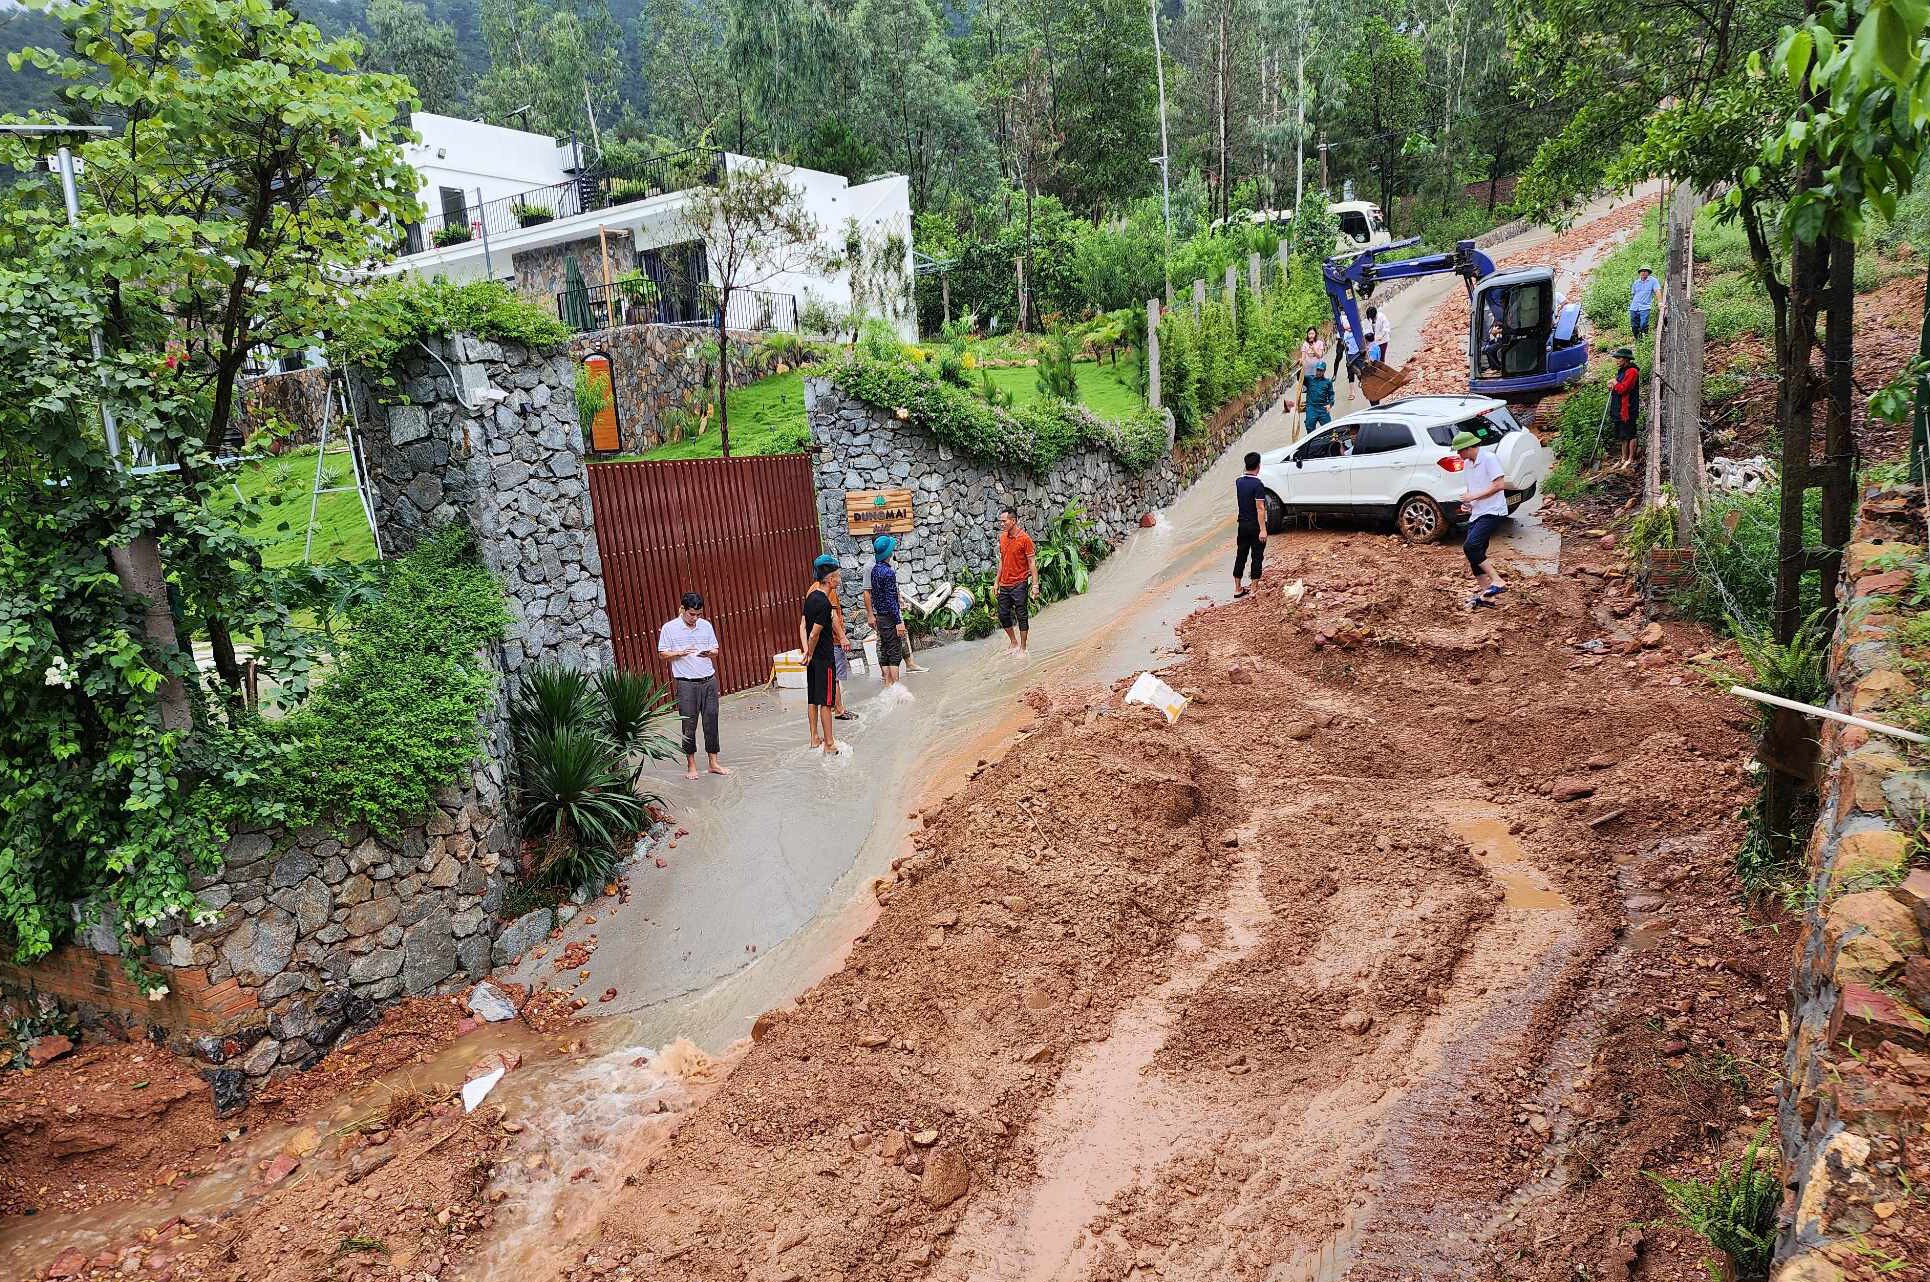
pixel 1487 506
pixel 690 643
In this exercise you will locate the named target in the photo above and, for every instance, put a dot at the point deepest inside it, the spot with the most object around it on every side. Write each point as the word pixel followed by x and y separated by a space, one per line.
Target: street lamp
pixel 64 165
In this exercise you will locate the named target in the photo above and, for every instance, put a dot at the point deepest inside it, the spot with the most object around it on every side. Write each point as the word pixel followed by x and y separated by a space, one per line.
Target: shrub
pixel 532 215
pixel 1056 376
pixel 1735 538
pixel 1067 553
pixel 1736 1211
pixel 393 314
pixel 453 234
pixel 634 704
pixel 577 801
pixel 401 716
pixel 592 398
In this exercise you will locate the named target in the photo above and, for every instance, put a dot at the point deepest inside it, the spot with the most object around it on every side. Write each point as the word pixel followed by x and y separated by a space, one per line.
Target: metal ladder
pixel 352 446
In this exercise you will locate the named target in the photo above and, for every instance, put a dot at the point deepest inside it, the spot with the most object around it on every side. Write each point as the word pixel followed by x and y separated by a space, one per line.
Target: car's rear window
pixel 1442 435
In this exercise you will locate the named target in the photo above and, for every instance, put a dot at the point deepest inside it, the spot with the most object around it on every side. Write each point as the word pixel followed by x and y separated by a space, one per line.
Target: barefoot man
pixel 690 643
pixel 1018 581
pixel 820 673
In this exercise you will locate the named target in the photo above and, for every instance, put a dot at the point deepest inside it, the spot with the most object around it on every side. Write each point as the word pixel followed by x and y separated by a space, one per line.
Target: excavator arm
pixel 1350 279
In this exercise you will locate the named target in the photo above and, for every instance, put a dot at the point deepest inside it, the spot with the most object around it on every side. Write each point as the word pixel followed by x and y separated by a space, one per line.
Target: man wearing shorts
pixel 820 672
pixel 1487 508
pixel 887 616
pixel 1249 498
pixel 1018 581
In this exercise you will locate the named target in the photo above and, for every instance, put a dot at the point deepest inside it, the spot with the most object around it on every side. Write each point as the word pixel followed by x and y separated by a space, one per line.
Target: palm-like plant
pixel 551 698
pixel 633 705
pixel 579 802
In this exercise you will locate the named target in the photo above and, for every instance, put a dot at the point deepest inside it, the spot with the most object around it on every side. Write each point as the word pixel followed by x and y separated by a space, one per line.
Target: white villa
pixel 605 246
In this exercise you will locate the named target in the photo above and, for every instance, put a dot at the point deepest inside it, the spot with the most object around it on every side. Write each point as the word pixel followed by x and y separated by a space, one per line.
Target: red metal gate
pixel 741 531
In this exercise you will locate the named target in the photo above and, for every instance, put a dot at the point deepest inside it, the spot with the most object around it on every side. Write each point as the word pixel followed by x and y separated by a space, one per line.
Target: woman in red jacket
pixel 1624 403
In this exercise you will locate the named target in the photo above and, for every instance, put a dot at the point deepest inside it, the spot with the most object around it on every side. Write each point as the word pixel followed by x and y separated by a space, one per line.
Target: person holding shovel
pixel 1625 403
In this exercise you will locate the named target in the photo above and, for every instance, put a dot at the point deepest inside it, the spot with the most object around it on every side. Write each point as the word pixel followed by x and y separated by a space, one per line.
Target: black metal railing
pixel 601 187
pixel 638 299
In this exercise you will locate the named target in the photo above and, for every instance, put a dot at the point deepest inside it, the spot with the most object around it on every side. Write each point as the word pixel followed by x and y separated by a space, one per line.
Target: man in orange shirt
pixel 1018 581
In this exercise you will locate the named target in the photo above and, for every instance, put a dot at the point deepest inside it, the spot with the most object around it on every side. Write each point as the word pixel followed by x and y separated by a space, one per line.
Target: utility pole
pixel 1165 149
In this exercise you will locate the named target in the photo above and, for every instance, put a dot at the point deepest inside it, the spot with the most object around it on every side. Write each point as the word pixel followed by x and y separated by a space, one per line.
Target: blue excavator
pixel 1525 343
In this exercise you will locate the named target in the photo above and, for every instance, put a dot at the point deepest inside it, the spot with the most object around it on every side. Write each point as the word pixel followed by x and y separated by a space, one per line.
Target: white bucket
pixel 871 654
pixel 788 668
pixel 960 602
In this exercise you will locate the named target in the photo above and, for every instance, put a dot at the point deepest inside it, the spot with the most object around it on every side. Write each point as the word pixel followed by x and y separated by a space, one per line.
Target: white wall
pixel 470 155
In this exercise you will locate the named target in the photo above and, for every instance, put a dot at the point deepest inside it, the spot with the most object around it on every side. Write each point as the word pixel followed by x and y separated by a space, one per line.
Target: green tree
pixel 253 176
pixel 559 58
pixel 914 113
pixel 404 40
pixel 690 89
pixel 1106 105
pixel 1385 100
pixel 755 228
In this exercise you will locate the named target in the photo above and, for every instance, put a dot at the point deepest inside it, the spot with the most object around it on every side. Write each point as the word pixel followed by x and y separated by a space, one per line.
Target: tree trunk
pixel 1839 444
pixel 723 373
pixel 1808 264
pixel 1221 69
pixel 1299 127
pixel 137 565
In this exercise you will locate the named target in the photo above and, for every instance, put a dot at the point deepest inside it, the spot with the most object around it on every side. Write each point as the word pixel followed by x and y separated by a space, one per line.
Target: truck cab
pixel 1522 336
pixel 1361 226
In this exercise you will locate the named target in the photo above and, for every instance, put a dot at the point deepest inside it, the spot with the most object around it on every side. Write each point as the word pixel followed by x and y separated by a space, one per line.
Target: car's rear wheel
pixel 1420 519
pixel 1278 514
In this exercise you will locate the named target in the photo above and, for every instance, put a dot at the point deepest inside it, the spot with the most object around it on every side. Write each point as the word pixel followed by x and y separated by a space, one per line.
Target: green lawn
pixel 281 486
pixel 767 417
pixel 1100 388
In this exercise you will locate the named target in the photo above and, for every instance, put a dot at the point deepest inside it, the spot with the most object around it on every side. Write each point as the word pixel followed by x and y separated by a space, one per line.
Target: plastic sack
pixel 1154 693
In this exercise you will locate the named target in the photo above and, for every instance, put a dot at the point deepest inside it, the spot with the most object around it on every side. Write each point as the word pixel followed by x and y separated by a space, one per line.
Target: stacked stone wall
pixel 1856 1089
pixel 659 368
pixel 956 498
pixel 484 435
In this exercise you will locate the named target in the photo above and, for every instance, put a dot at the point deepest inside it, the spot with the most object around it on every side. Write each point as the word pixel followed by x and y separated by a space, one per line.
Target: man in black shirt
pixel 820 674
pixel 1250 497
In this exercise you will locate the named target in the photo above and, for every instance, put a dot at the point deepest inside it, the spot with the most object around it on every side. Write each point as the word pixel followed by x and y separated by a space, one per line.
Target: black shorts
pixel 820 684
pixel 891 646
pixel 1015 605
pixel 1250 545
pixel 1480 530
pixel 1624 431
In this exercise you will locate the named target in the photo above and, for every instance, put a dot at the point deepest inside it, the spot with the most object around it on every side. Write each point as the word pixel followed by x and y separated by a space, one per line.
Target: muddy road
pixel 1395 957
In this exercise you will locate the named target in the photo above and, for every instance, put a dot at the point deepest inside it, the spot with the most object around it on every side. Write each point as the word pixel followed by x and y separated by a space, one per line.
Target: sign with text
pixel 878 511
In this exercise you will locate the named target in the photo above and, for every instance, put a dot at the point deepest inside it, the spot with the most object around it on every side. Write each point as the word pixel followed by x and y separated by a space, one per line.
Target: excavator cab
pixel 1522 337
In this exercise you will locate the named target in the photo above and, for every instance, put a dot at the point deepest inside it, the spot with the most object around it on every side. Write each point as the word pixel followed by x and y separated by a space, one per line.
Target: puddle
pixel 1522 884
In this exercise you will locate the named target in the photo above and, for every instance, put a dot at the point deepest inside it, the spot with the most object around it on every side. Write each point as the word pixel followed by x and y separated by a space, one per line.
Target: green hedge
pixel 401 717
pixel 392 314
pixel 1034 437
pixel 1207 360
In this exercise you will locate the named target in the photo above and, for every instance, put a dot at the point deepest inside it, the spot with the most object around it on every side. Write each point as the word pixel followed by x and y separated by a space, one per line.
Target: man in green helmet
pixel 1487 508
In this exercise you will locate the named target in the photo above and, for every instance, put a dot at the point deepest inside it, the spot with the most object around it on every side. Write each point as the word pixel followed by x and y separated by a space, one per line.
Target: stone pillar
pixel 1253 272
pixel 1199 297
pixel 1152 352
pixel 1286 256
pixel 1232 291
pixel 484 435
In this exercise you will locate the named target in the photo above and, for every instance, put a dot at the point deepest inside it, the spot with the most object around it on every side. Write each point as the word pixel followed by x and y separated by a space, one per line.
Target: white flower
pixel 59 674
pixel 156 994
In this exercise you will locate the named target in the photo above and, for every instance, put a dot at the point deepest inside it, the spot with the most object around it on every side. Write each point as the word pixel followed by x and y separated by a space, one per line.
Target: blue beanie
pixel 884 545
pixel 825 562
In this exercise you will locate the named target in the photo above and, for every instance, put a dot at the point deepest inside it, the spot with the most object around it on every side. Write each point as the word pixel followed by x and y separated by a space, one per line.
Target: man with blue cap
pixel 886 614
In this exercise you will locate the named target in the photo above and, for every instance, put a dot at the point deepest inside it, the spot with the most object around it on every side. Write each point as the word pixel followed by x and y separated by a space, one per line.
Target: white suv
pixel 1394 461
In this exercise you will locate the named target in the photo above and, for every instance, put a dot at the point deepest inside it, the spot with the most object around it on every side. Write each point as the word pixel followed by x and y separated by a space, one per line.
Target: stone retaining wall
pixel 956 499
pixel 1856 1085
pixel 656 368
pixel 485 435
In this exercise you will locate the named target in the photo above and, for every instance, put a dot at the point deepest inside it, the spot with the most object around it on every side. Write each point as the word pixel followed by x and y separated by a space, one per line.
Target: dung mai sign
pixel 871 512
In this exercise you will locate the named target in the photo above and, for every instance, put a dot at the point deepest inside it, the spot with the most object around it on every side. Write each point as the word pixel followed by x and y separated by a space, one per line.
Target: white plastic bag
pixel 1154 693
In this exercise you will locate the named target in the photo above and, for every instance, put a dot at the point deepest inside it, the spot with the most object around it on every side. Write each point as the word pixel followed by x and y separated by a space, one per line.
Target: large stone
pixel 1878 851
pixel 946 1177
pixel 1872 933
pixel 260 947
pixel 429 952
pixel 522 935
pixel 1864 772
pixel 261 1057
pixel 380 964
pixel 371 915
pixel 310 902
pixel 355 889
pixel 490 1004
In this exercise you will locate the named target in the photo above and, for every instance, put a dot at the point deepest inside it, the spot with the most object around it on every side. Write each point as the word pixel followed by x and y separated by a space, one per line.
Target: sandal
pixel 844 716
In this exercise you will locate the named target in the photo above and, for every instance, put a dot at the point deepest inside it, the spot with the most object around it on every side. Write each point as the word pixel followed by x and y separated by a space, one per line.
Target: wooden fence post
pixel 1152 353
